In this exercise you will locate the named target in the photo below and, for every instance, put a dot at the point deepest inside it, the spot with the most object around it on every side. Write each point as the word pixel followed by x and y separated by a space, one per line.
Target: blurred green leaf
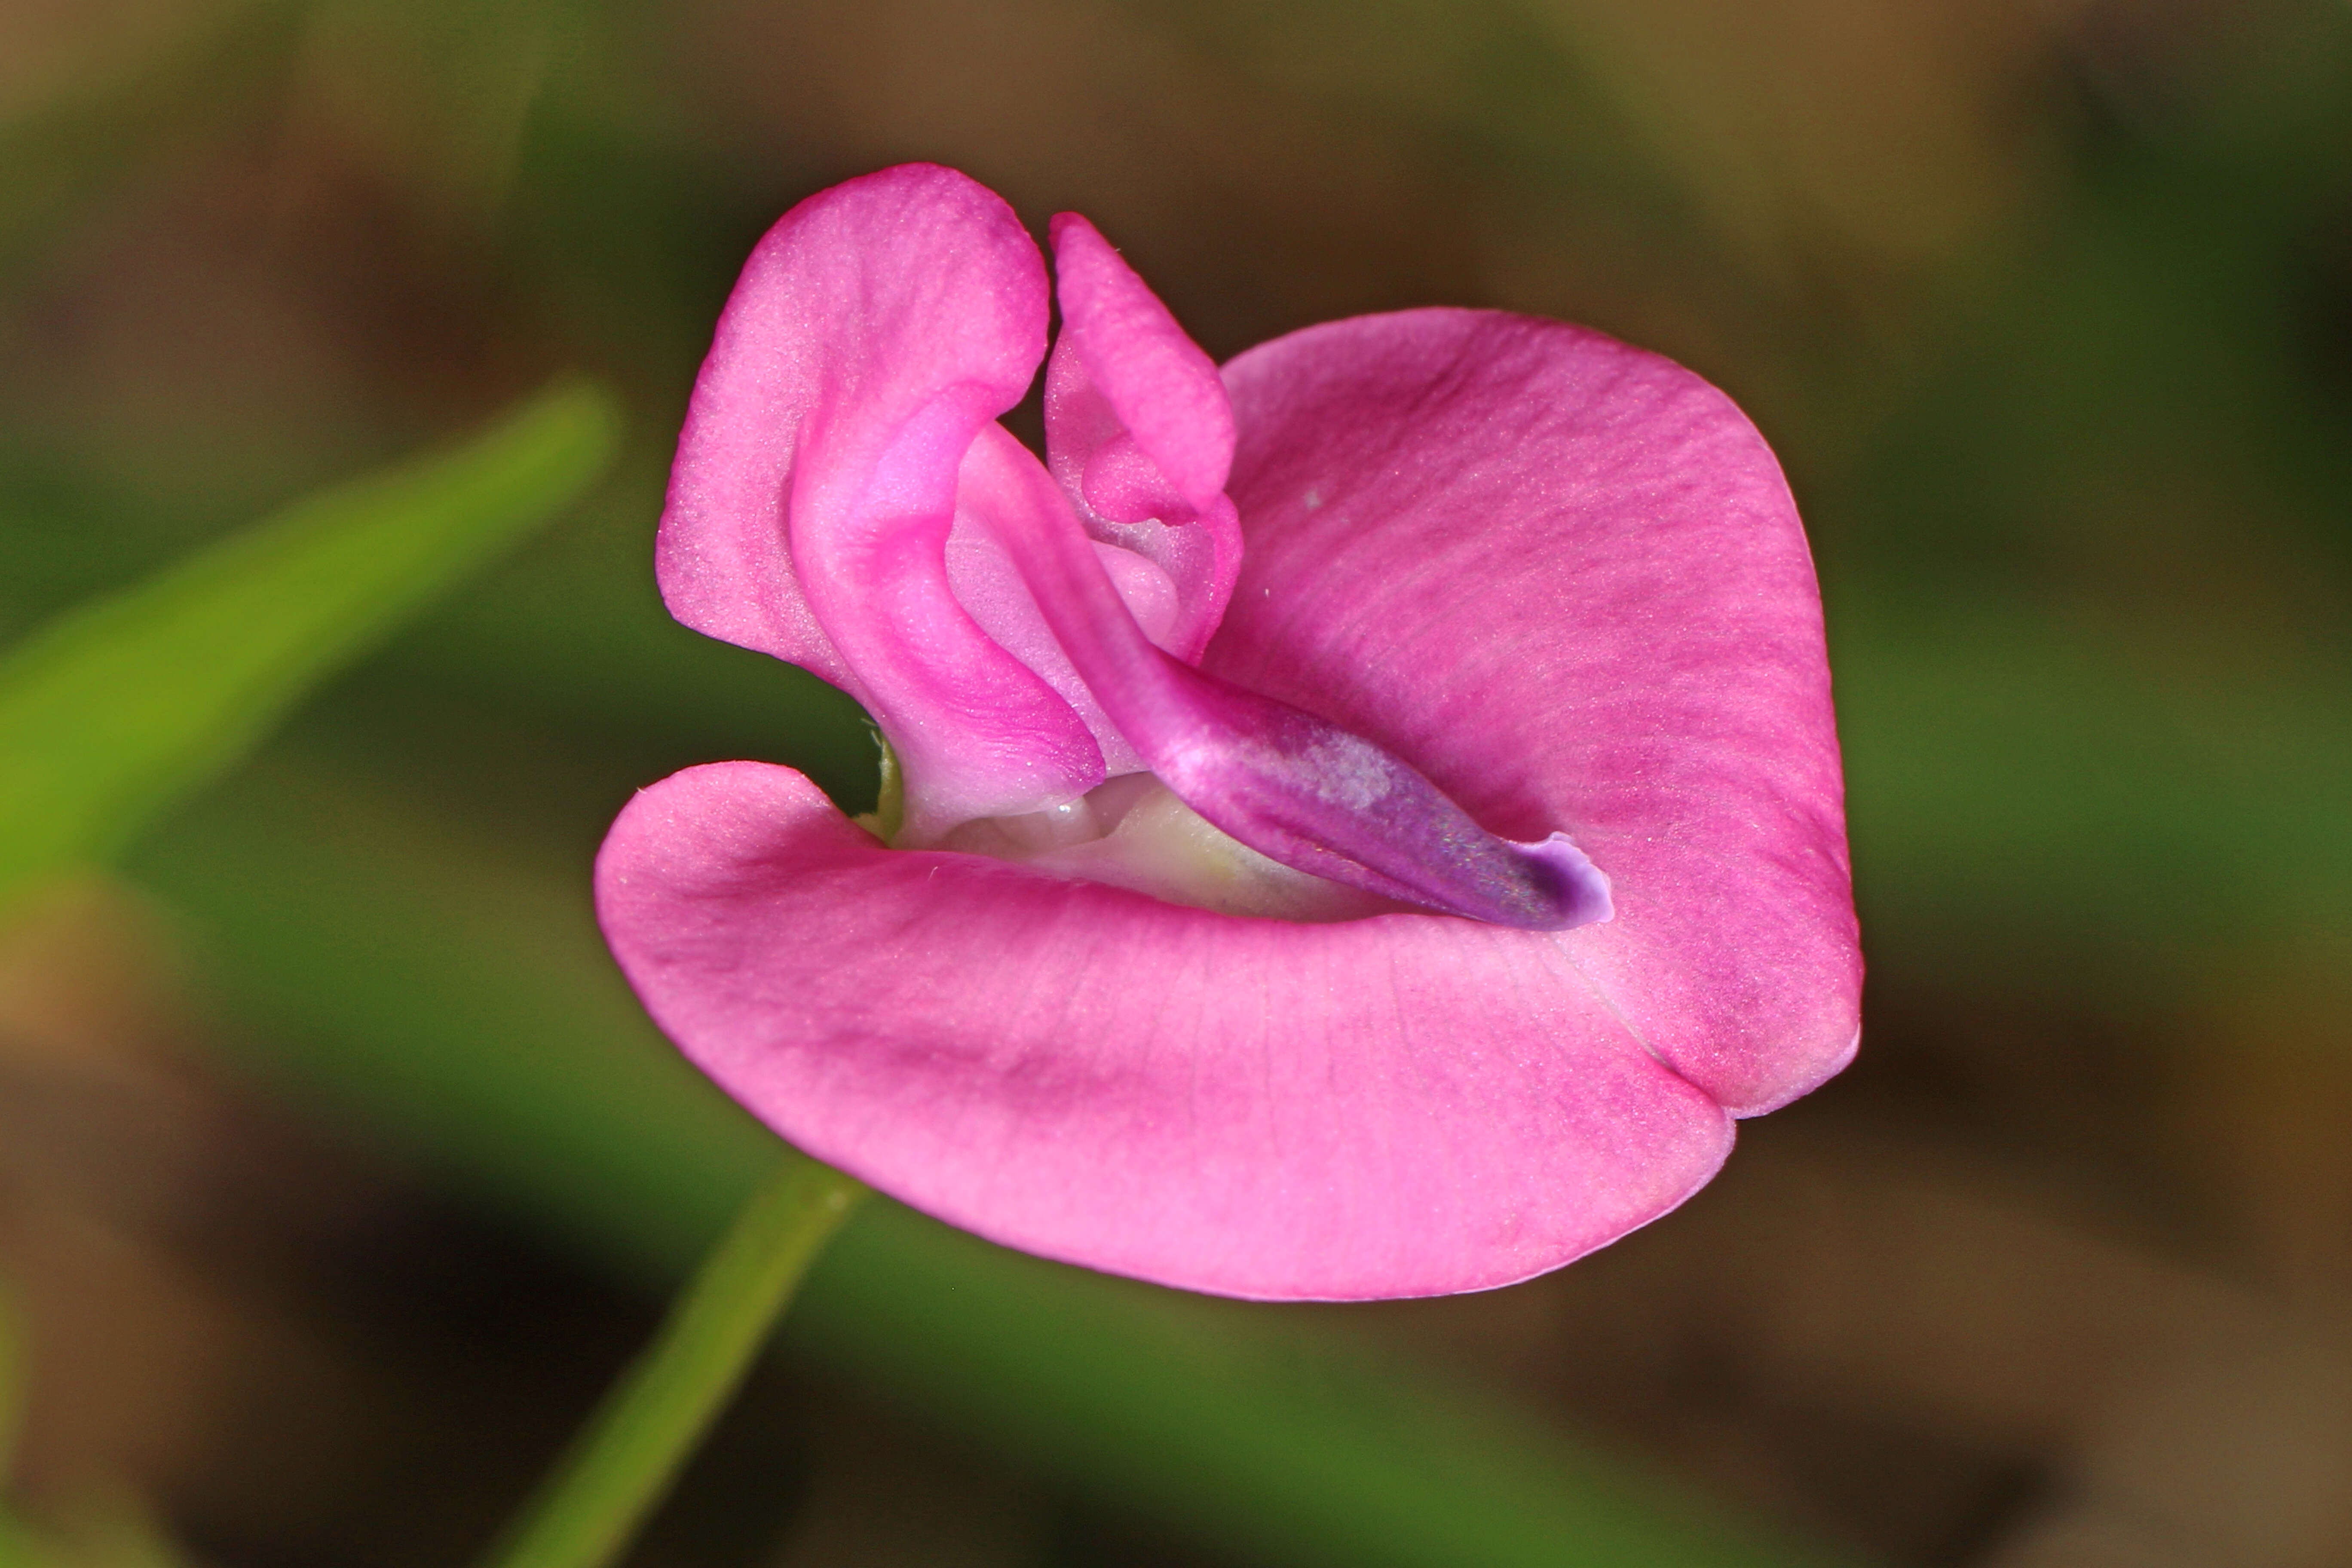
pixel 453 996
pixel 120 706
pixel 2031 799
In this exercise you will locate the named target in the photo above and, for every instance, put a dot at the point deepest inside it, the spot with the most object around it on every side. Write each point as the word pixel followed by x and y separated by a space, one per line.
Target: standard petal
pixel 1564 578
pixel 876 328
pixel 1405 1105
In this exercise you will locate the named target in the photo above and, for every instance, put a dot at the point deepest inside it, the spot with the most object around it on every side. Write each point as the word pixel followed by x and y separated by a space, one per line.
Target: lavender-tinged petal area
pixel 1140 431
pixel 1284 781
pixel 876 330
pixel 1398 1106
pixel 1566 578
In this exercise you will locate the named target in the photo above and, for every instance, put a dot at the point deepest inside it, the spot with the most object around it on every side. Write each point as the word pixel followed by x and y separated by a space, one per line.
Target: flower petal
pixel 1284 780
pixel 989 586
pixel 1566 577
pixel 1140 432
pixel 876 328
pixel 1155 380
pixel 1405 1105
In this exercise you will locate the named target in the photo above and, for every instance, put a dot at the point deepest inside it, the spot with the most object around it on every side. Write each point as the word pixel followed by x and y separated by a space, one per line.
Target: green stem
pixel 622 1462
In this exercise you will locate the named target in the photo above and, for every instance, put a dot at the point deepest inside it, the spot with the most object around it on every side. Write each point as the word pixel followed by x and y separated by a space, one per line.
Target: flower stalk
pixel 625 1459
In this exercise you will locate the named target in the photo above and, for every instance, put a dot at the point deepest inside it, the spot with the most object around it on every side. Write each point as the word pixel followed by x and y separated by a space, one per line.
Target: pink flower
pixel 1417 610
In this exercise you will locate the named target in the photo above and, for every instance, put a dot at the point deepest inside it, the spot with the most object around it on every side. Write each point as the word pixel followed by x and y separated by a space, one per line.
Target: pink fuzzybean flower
pixel 1229 921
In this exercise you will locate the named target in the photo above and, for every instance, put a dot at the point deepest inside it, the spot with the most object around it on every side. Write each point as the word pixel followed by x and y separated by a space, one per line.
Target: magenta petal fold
pixel 1557 581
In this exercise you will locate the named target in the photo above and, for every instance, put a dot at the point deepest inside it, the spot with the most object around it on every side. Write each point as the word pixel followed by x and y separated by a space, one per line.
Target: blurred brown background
pixel 2046 304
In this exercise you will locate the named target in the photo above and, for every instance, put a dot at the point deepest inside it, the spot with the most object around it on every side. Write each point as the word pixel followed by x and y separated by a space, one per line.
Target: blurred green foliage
pixel 2076 451
pixel 128 702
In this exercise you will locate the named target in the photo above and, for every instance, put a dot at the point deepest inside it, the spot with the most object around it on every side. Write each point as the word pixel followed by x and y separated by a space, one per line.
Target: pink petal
pixel 1156 381
pixel 1284 781
pixel 989 585
pixel 1398 1106
pixel 1565 579
pixel 1138 430
pixel 877 330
